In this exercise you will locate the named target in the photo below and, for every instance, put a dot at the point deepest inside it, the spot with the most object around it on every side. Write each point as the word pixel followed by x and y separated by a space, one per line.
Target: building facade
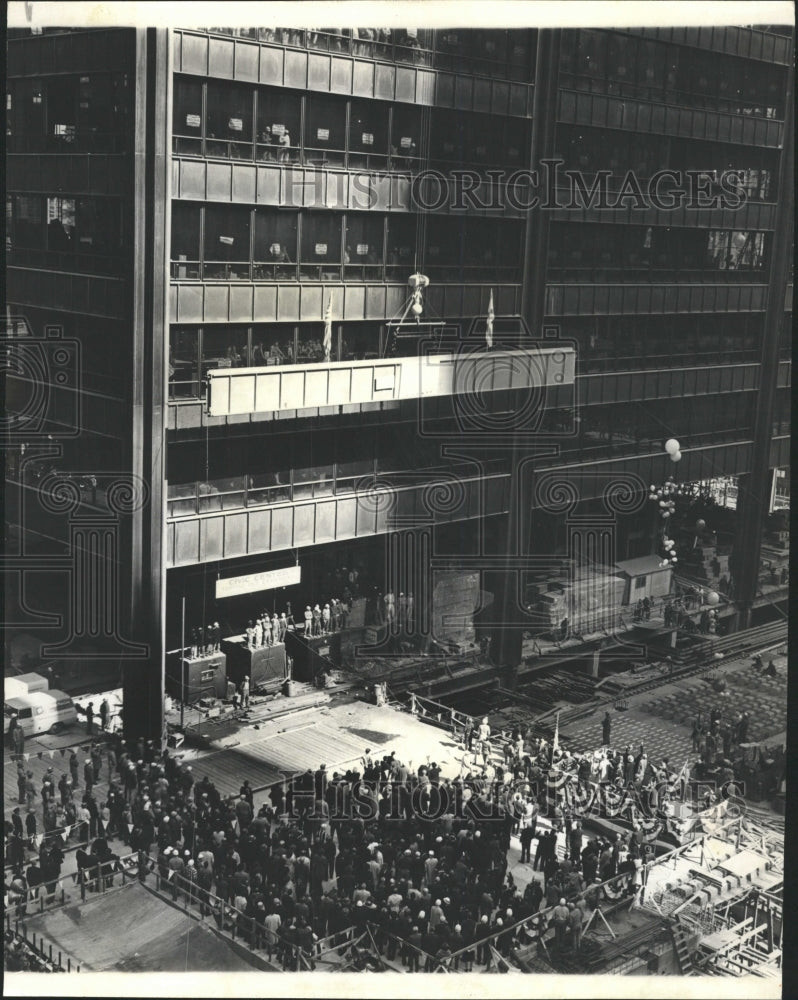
pixel 224 223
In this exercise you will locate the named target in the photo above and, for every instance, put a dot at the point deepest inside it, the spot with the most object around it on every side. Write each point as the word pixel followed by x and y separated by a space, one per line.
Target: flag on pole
pixel 328 329
pixel 489 323
pixel 556 743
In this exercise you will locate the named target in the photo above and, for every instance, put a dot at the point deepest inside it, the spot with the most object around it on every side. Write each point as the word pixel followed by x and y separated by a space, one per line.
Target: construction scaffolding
pixel 722 896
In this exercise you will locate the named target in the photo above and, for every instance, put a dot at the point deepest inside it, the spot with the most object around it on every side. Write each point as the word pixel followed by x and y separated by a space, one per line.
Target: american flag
pixel 328 329
pixel 489 324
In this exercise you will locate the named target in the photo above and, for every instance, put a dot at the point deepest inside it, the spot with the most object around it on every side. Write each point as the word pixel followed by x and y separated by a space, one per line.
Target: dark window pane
pixel 228 127
pixel 183 362
pixel 227 241
pixel 325 129
pixel 278 125
pixel 224 347
pixel 275 244
pixel 187 116
pixel 185 239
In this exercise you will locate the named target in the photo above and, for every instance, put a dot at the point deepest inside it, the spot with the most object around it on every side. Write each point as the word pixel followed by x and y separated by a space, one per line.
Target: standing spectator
pixel 606 729
pixel 30 828
pixel 105 711
pixel 560 918
pixel 30 790
pixel 575 920
pixel 88 774
pixel 90 718
pixel 527 832
pixel 483 737
pixel 245 692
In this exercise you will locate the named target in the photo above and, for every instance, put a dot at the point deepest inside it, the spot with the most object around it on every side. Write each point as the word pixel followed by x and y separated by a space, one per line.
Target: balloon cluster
pixel 672 447
pixel 664 497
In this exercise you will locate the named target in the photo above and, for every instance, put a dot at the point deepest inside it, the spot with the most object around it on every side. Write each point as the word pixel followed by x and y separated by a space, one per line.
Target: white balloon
pixel 672 446
pixel 676 456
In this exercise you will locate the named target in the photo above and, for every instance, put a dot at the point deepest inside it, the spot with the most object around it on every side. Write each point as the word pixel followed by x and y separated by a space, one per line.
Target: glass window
pixel 401 245
pixel 413 45
pixel 316 481
pixel 621 63
pixel 405 146
pixel 651 67
pixel 325 129
pixel 185 239
pixel 445 247
pixel 273 345
pixel 98 109
pixel 183 362
pixel 448 141
pixel 485 141
pixel 310 343
pixel 590 58
pixel 97 225
pixel 29 114
pixel 360 341
pixel 228 120
pixel 521 55
pixel 62 101
pixel 489 51
pixel 269 487
pixel 321 245
pixel 363 253
pixel 187 116
pixel 228 493
pixel 735 250
pixel 368 134
pixel 227 250
pixel 29 224
pixel 348 475
pixel 275 244
pixel 278 133
pixel 224 347
pixel 510 249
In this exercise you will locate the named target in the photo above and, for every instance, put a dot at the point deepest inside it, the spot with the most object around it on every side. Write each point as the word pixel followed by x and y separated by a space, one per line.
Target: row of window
pixel 632 428
pixel 609 429
pixel 69 113
pixel 576 251
pixel 592 149
pixel 625 343
pixel 509 54
pixel 323 480
pixel 271 124
pixel 193 349
pixel 239 243
pixel 630 66
pixel 73 234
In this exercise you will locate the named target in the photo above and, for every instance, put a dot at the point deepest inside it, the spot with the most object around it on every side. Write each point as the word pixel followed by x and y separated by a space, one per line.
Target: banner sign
pixel 270 580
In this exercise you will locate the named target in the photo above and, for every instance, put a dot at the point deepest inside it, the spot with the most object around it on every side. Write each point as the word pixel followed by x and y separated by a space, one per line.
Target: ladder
pixel 683 956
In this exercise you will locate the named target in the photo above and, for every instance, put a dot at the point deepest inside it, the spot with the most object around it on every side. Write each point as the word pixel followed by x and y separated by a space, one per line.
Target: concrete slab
pixel 133 930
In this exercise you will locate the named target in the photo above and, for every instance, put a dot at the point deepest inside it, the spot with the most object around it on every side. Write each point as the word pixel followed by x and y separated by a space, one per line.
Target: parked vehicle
pixel 40 712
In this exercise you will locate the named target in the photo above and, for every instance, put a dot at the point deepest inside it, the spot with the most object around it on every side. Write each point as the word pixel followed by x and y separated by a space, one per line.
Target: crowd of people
pixel 419 858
